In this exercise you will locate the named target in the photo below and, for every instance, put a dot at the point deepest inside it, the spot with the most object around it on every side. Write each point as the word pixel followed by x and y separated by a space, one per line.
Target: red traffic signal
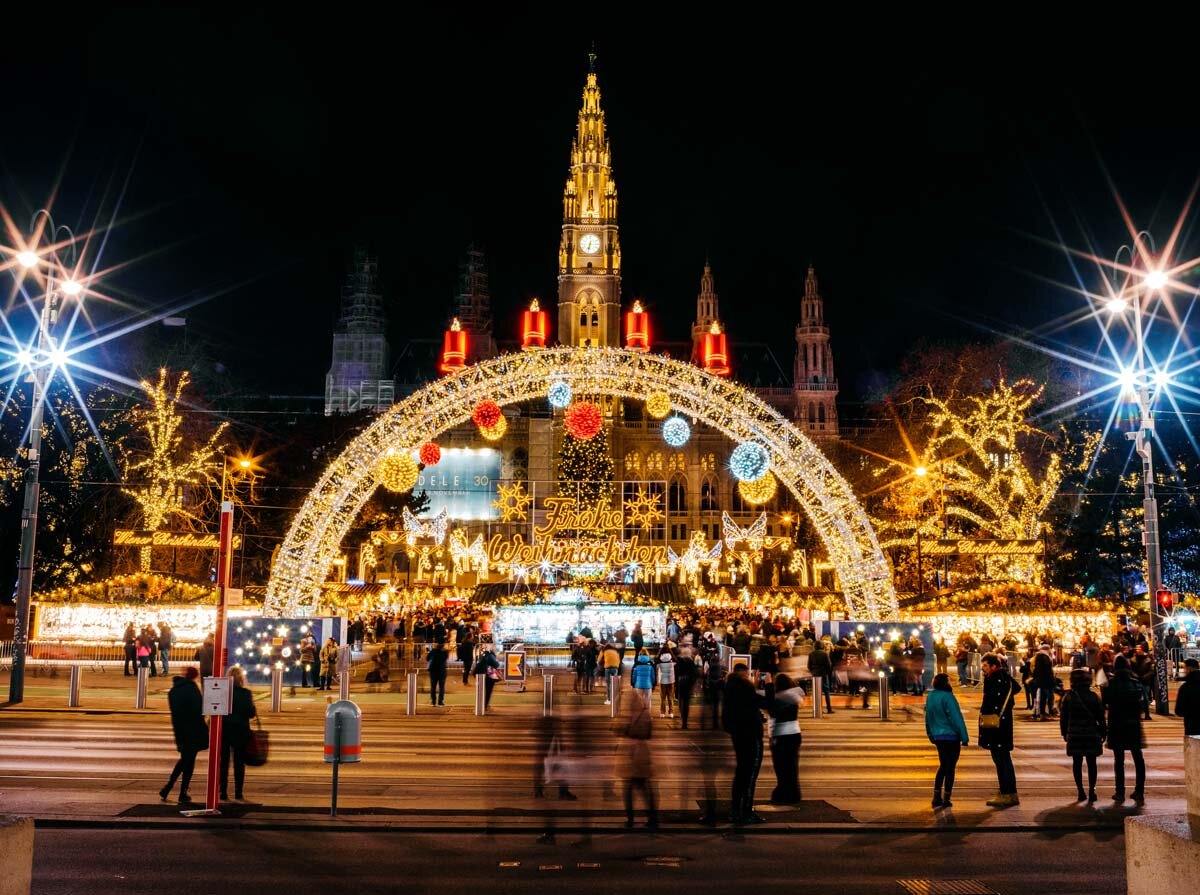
pixel 1165 599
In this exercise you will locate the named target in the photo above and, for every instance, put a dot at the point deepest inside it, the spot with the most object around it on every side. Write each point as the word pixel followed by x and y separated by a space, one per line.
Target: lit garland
pixel 559 394
pixel 494 432
pixel 1069 626
pixel 430 453
pixel 749 461
pixel 758 492
pixel 658 404
pixel 397 471
pixel 583 420
pixel 330 509
pixel 91 623
pixel 486 414
pixel 144 587
pixel 1007 597
pixel 676 431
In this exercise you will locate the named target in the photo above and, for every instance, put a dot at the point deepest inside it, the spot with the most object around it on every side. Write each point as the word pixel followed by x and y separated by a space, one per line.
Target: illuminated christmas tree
pixel 585 468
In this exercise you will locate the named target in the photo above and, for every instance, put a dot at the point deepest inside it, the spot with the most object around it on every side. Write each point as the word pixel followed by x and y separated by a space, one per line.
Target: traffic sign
pixel 514 665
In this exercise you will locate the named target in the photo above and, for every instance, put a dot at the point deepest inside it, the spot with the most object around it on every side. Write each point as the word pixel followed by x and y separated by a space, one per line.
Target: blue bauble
pixel 749 462
pixel 676 431
pixel 559 394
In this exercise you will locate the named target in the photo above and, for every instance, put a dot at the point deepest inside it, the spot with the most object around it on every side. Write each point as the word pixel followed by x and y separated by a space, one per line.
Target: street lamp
pixel 57 288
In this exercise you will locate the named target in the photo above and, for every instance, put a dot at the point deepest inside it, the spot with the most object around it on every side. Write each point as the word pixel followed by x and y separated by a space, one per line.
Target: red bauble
pixel 430 453
pixel 583 420
pixel 486 414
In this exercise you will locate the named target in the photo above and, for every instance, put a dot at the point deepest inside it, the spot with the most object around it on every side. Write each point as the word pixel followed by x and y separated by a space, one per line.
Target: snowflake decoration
pixel 644 509
pixel 512 502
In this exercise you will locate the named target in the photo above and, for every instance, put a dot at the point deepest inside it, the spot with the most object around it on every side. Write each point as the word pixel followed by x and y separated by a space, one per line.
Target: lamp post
pixel 1141 384
pixel 46 355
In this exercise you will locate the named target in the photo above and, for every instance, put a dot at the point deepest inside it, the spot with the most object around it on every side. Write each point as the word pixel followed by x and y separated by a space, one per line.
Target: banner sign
pixel 183 540
pixel 982 547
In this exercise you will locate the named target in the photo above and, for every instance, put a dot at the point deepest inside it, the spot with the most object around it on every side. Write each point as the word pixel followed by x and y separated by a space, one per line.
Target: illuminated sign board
pixel 464 482
pixel 182 540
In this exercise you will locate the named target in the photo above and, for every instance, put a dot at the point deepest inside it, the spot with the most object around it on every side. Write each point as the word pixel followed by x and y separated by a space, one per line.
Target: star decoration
pixel 644 509
pixel 512 502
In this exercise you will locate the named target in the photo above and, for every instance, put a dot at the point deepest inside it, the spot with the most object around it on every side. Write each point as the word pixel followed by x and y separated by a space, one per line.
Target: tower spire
pixel 706 310
pixel 814 381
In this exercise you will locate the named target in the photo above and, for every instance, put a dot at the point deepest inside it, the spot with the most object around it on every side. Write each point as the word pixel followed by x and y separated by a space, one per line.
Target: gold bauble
pixel 759 491
pixel 658 405
pixel 496 432
pixel 397 471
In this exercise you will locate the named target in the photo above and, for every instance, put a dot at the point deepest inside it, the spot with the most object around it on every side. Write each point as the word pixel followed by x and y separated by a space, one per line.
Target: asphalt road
pixel 182 863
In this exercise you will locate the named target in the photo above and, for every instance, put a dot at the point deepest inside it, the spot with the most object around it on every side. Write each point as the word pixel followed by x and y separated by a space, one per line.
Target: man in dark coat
pixel 821 668
pixel 743 721
pixel 1187 700
pixel 437 673
pixel 999 691
pixel 130 651
pixel 204 655
pixel 1043 681
pixel 191 732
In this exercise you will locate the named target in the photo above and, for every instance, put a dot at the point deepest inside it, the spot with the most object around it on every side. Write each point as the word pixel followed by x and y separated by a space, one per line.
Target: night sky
pixel 919 171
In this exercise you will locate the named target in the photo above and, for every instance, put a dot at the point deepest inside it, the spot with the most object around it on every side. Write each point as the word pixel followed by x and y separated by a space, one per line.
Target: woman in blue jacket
pixel 948 732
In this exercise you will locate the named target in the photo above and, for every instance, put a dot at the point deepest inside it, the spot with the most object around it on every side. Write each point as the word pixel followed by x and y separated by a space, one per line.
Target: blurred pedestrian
pixel 785 741
pixel 1187 700
pixel 996 726
pixel 1124 699
pixel 634 760
pixel 489 666
pixel 743 721
pixel 166 640
pixel 328 659
pixel 191 732
pixel 821 668
pixel 131 662
pixel 235 734
pixel 714 689
pixel 685 684
pixel 643 677
pixel 947 731
pixel 436 662
pixel 466 655
pixel 1081 722
pixel 204 655
pixel 665 670
pixel 610 662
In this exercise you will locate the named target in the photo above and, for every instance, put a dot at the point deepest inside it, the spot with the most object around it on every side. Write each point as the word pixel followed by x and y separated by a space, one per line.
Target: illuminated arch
pixel 314 539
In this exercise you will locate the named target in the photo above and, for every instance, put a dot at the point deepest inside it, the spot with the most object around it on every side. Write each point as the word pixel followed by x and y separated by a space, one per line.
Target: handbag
pixel 988 721
pixel 258 747
pixel 493 673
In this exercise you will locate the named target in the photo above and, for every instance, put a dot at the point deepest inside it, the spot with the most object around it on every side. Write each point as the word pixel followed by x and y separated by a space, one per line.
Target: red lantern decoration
pixel 716 355
pixel 583 420
pixel 454 349
pixel 534 328
pixel 486 414
pixel 637 329
pixel 430 454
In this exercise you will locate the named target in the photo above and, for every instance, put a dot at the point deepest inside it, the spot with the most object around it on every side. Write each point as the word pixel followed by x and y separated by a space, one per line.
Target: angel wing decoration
pixel 754 536
pixel 434 528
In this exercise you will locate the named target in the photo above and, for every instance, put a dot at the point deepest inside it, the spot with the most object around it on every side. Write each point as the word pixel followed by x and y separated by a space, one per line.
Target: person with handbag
pixel 947 731
pixel 785 741
pixel 634 762
pixel 489 666
pixel 235 734
pixel 190 729
pixel 1124 699
pixel 996 726
pixel 1081 723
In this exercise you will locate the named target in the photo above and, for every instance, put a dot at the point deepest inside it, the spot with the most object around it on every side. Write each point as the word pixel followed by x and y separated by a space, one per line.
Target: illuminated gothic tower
pixel 589 256
pixel 706 313
pixel 814 381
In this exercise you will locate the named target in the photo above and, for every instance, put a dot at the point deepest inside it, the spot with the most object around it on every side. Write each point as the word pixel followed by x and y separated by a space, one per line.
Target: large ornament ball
pixel 658 404
pixel 676 431
pixel 583 420
pixel 559 394
pixel 486 414
pixel 430 453
pixel 397 471
pixel 496 432
pixel 749 462
pixel 758 492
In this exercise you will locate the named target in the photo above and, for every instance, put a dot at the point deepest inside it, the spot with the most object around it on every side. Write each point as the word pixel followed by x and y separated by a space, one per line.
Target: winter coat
pixel 999 693
pixel 437 661
pixel 819 664
pixel 329 654
pixel 1187 703
pixel 666 669
pixel 642 676
pixel 187 717
pixel 235 729
pixel 1043 669
pixel 1124 698
pixel 204 655
pixel 744 707
pixel 944 719
pixel 1081 716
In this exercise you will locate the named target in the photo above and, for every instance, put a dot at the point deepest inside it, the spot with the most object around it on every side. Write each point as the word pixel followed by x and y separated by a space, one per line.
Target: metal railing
pixel 58 653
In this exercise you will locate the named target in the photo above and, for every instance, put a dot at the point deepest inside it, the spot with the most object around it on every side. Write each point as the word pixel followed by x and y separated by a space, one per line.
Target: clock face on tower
pixel 589 244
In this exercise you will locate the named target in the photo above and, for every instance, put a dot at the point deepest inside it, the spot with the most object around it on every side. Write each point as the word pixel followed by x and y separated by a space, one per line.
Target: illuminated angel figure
pixel 744 546
pixel 697 556
pixel 467 558
pixel 435 528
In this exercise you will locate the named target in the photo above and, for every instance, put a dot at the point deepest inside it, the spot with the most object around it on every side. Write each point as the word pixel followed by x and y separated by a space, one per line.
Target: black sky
pixel 915 163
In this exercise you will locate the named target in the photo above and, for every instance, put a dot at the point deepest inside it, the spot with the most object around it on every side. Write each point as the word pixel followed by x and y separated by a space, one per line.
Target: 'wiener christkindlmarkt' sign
pixel 179 540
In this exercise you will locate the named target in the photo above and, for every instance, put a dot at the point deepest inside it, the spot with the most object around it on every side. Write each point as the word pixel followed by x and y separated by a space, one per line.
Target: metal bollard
pixel 143 676
pixel 344 685
pixel 410 705
pixel 73 692
pixel 547 695
pixel 480 694
pixel 884 694
pixel 277 689
pixel 816 698
pixel 614 695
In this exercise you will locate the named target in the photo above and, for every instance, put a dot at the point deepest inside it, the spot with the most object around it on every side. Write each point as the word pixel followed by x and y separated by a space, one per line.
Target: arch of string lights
pixel 316 533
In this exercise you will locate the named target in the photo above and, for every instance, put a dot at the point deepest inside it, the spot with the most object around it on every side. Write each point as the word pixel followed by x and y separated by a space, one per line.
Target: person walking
pixel 1081 723
pixel 665 671
pixel 1187 700
pixel 941 656
pixel 637 638
pixel 131 662
pixel 465 653
pixel 235 734
pixel 191 732
pixel 328 658
pixel 489 666
pixel 743 721
pixel 308 661
pixel 785 741
pixel 1142 670
pixel 643 677
pixel 436 662
pixel 996 726
pixel 1124 699
pixel 1043 681
pixel 204 655
pixel 947 731
pixel 610 661
pixel 166 639
pixel 714 688
pixel 634 761
pixel 685 684
pixel 821 668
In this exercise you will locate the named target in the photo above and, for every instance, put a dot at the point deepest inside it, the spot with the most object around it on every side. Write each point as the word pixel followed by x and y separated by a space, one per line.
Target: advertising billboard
pixel 464 482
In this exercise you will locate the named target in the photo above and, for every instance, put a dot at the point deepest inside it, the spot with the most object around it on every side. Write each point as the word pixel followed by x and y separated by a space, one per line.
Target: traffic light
pixel 1166 600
